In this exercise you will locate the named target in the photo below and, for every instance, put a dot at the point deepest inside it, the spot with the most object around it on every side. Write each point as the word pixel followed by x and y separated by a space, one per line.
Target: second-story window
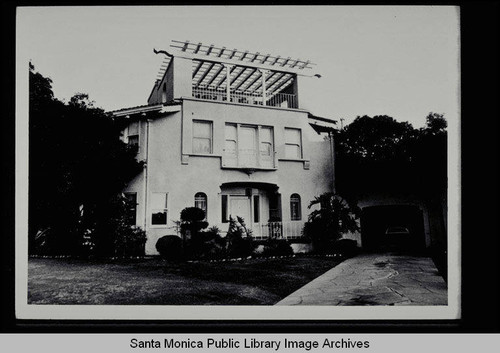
pixel 293 143
pixel 248 146
pixel 133 134
pixel 266 147
pixel 202 136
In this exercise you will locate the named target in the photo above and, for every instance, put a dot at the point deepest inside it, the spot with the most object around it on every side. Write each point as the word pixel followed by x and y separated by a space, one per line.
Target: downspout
pixel 332 150
pixel 146 176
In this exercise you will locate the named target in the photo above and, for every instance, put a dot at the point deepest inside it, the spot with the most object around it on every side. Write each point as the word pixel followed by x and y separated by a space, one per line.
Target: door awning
pixel 251 184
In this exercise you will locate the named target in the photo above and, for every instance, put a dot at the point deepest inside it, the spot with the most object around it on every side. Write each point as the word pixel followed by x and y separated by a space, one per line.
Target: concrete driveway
pixel 375 279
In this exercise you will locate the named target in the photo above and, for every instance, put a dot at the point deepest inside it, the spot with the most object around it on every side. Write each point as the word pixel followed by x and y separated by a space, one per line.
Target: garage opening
pixel 396 228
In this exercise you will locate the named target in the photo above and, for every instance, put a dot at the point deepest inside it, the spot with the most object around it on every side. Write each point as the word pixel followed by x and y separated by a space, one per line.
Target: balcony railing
pixel 279 230
pixel 283 100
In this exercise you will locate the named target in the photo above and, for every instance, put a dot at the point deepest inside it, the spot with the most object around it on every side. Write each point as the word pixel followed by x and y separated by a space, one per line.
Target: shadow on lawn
pixel 155 282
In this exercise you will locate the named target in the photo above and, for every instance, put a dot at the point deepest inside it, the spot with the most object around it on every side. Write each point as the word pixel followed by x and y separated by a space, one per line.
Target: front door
pixel 240 206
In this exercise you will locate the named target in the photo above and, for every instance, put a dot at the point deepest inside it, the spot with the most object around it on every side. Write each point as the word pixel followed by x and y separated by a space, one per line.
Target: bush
pixel 192 222
pixel 211 244
pixel 214 248
pixel 325 225
pixel 240 247
pixel 277 247
pixel 239 238
pixel 170 247
pixel 346 247
pixel 131 242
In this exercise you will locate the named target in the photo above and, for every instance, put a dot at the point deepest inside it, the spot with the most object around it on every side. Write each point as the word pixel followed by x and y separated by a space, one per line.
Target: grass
pixel 153 282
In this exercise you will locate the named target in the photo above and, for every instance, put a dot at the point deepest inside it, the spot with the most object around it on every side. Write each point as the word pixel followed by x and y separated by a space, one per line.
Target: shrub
pixel 346 247
pixel 326 225
pixel 240 247
pixel 192 222
pixel 277 247
pixel 239 238
pixel 214 246
pixel 131 242
pixel 170 247
pixel 214 249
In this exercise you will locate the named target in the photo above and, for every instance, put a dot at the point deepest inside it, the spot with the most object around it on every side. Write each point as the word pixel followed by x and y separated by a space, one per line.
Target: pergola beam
pixel 200 64
pixel 214 77
pixel 258 77
pixel 207 71
pixel 268 80
pixel 248 57
pixel 245 79
pixel 243 69
pixel 224 78
pixel 198 46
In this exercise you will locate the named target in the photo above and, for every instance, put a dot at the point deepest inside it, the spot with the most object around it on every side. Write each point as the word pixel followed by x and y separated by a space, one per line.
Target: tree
pixel 384 155
pixel 327 224
pixel 77 167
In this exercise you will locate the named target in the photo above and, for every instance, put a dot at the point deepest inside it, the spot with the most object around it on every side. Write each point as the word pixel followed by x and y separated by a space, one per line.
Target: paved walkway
pixel 375 279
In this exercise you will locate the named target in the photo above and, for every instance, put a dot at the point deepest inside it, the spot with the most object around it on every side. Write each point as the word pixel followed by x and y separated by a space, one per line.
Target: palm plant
pixel 333 218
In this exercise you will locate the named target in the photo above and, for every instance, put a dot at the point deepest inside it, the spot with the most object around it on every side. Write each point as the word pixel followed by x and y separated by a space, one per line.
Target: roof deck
pixel 230 75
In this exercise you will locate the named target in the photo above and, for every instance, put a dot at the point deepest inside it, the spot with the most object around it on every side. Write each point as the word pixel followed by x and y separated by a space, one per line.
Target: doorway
pixel 397 228
pixel 240 206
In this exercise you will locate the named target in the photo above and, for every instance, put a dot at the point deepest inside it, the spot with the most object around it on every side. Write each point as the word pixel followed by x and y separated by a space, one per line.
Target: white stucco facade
pixel 262 163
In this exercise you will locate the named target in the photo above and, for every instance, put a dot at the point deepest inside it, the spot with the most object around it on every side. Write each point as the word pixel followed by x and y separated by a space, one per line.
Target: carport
pixel 392 228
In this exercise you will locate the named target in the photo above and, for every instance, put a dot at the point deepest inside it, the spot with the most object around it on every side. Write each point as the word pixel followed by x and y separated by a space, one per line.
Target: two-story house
pixel 224 131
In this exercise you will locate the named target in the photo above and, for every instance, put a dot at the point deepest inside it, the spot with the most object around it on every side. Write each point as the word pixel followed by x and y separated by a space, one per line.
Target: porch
pixel 280 230
pixel 259 204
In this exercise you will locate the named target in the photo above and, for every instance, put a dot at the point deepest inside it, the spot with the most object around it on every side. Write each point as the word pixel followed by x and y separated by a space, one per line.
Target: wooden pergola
pixel 236 72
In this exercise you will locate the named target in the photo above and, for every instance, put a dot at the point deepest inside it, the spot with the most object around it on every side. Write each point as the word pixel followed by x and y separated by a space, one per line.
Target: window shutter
pixel 224 209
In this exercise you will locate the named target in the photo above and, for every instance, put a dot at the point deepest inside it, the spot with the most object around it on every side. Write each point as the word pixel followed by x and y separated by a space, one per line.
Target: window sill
pixel 249 168
pixel 293 159
pixel 205 155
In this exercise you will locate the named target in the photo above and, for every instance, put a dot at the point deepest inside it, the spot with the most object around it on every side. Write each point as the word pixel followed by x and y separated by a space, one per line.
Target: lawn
pixel 153 282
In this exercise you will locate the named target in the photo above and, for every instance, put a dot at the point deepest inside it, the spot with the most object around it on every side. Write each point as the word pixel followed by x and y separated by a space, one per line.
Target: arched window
pixel 200 201
pixel 295 209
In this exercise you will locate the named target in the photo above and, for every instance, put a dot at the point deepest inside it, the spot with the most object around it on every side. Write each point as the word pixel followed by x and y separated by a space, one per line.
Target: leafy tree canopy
pixel 77 165
pixel 384 155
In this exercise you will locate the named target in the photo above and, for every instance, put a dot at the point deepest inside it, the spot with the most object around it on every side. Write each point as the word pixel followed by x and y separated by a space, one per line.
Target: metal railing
pixel 283 100
pixel 279 230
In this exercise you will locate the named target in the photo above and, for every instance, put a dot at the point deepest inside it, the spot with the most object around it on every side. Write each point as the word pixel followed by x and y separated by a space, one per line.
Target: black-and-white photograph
pixel 238 162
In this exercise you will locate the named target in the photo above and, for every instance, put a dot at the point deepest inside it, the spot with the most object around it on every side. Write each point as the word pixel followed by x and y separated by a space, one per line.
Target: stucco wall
pixel 171 134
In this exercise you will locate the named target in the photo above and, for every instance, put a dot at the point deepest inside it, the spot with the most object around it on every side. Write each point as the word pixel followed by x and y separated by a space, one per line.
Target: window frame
pixel 294 143
pixel 136 134
pixel 295 199
pixel 210 139
pixel 154 210
pixel 132 197
pixel 261 161
pixel 205 200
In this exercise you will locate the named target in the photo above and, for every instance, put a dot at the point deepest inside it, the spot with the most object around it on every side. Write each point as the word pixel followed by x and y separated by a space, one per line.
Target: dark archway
pixel 397 228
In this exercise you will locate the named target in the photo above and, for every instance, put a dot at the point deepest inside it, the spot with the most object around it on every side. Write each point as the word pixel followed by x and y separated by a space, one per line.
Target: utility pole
pixel 341 123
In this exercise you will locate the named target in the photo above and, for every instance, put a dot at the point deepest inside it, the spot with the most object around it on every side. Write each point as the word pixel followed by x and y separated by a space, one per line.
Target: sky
pixel 401 61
